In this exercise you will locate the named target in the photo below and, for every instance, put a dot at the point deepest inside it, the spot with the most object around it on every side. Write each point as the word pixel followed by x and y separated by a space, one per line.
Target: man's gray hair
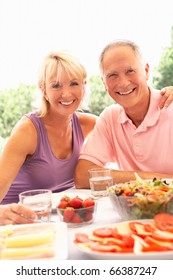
pixel 120 43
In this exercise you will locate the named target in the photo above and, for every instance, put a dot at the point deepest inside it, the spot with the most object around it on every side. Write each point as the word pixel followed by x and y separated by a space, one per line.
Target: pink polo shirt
pixel 148 147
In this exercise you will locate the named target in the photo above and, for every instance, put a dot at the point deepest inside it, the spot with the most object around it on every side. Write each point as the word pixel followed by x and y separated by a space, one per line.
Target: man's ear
pixel 104 83
pixel 147 71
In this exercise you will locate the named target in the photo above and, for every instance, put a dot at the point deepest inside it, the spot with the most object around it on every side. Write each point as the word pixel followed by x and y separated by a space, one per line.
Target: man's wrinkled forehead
pixel 118 56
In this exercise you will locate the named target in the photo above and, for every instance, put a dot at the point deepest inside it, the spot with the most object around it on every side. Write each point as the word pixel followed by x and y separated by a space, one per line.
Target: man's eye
pixel 112 75
pixel 130 71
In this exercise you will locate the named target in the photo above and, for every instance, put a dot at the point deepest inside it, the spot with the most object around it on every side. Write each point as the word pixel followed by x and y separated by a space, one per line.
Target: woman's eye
pixel 56 85
pixel 74 84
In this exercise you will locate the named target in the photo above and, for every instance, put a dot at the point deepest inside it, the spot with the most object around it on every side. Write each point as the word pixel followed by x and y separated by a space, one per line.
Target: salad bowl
pixel 142 199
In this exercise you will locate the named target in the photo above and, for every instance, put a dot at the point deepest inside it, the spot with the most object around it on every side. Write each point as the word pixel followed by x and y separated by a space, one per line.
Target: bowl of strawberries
pixel 75 210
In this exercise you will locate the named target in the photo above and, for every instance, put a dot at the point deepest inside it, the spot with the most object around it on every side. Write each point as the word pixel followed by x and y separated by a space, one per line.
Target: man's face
pixel 124 76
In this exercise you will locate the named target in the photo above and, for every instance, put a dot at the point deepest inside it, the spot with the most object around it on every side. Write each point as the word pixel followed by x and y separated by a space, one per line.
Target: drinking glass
pixel 100 179
pixel 40 201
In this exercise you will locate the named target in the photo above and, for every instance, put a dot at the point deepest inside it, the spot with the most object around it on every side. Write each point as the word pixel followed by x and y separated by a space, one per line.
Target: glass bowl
pixel 84 214
pixel 134 200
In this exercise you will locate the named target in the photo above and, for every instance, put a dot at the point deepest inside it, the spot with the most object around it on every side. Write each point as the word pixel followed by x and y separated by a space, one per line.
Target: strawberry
pixel 76 219
pixel 88 202
pixel 68 214
pixel 65 198
pixel 62 205
pixel 76 202
pixel 88 217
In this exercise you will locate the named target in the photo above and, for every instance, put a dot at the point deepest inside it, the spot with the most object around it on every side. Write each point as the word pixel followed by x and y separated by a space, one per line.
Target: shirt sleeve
pixel 98 147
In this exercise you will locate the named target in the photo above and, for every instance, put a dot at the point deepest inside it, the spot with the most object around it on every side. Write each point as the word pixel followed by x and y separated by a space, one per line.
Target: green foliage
pixel 2 143
pixel 13 104
pixel 99 98
pixel 163 74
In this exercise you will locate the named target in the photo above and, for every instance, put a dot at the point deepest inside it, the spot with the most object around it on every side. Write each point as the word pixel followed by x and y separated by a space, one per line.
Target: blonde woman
pixel 43 149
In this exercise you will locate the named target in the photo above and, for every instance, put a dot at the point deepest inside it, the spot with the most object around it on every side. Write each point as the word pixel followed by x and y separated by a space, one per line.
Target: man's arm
pixel 81 173
pixel 82 178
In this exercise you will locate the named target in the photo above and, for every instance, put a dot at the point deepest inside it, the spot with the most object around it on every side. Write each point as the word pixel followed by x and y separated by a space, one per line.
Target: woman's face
pixel 65 95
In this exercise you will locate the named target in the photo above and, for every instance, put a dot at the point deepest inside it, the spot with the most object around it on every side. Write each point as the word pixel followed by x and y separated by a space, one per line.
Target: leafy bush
pixel 13 104
pixel 99 98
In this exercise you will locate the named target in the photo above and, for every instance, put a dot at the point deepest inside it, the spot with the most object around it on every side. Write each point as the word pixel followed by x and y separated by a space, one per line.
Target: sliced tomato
pixel 95 246
pixel 164 221
pixel 81 238
pixel 149 227
pixel 116 234
pixel 152 241
pixel 112 241
pixel 126 250
pixel 103 232
pixel 163 235
pixel 132 226
pixel 128 241
pixel 155 248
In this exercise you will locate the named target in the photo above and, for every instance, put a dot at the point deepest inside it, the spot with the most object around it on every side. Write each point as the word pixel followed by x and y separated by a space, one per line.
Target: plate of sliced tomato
pixel 137 239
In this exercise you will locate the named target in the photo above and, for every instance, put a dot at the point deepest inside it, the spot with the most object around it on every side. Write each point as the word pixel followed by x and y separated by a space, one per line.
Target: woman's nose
pixel 65 91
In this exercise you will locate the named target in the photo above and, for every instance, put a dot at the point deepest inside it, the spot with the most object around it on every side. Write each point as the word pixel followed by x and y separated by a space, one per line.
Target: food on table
pixel 27 241
pixel 142 199
pixel 164 222
pixel 6 230
pixel 130 237
pixel 29 252
pixel 76 210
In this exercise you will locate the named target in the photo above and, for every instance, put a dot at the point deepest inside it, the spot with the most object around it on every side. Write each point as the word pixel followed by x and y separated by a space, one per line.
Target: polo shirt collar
pixel 152 115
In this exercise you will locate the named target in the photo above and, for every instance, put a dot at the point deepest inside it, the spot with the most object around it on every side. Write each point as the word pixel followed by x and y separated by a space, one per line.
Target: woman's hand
pixel 167 97
pixel 16 214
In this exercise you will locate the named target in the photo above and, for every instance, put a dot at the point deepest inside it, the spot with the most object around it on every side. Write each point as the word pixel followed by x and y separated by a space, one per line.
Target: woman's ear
pixel 41 86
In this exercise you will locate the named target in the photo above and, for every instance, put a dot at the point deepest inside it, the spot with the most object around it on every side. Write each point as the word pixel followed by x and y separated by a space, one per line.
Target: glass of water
pixel 100 179
pixel 40 201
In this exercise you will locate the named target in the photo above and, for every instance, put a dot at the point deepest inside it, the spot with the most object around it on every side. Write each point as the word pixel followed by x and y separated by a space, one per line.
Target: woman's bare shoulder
pixel 86 116
pixel 24 124
pixel 87 122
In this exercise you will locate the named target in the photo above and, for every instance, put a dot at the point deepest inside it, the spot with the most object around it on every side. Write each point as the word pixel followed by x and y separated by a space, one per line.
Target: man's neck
pixel 138 113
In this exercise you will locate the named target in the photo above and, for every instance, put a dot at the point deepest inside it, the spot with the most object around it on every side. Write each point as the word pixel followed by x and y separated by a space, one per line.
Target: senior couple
pixel 54 146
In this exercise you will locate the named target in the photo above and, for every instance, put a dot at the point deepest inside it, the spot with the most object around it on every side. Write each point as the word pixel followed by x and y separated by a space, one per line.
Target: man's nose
pixel 123 81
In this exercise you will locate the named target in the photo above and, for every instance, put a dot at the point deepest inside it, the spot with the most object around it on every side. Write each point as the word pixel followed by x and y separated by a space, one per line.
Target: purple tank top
pixel 44 169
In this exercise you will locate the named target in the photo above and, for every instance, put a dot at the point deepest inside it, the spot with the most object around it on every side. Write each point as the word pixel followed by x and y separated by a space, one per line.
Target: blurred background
pixel 29 29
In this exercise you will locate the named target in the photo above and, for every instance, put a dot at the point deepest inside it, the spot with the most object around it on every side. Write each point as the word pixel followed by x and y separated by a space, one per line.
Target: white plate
pixel 61 252
pixel 168 255
pixel 57 196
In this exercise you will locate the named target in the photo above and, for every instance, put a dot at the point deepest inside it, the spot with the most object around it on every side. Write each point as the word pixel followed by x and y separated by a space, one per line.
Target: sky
pixel 29 29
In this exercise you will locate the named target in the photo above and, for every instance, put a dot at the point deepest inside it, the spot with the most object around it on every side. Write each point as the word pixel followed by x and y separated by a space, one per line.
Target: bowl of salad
pixel 142 199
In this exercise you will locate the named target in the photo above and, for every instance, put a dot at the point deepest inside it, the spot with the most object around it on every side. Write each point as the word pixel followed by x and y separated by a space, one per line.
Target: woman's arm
pixel 19 146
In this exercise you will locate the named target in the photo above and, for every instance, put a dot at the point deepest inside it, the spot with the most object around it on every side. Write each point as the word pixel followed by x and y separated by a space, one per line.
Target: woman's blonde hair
pixel 55 63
